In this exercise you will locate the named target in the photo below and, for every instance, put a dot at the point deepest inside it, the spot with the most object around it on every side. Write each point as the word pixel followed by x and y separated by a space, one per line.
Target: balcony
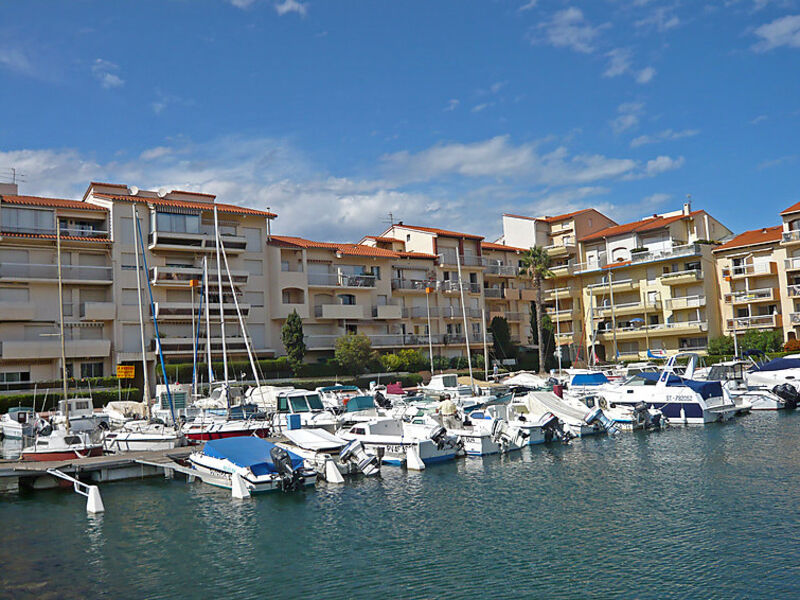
pixel 755 322
pixel 563 270
pixel 615 285
pixel 562 292
pixel 66 232
pixel 453 287
pixel 449 258
pixel 561 315
pixel 51 349
pixel 186 312
pixel 17 311
pixel 387 311
pixel 412 285
pixel 69 273
pixel 185 345
pixel 493 293
pixel 339 311
pixel 793 291
pixel 794 318
pixel 182 277
pixel 751 270
pixel 501 271
pixel 792 264
pixel 685 302
pixel 563 248
pixel 751 296
pixel 627 308
pixel 195 242
pixel 340 280
pixel 681 277
pixel 661 329
pixel 676 251
pixel 791 237
pixel 98 311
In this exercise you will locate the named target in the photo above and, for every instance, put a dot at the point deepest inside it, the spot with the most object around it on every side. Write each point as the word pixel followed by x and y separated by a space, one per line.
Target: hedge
pixel 100 398
pixel 85 383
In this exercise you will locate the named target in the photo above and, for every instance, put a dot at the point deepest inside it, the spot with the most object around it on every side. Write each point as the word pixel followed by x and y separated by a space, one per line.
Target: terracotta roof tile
pixel 553 219
pixel 50 202
pixel 442 232
pixel 501 247
pixel 226 208
pixel 417 255
pixel 52 236
pixel 792 209
pixel 345 249
pixel 387 240
pixel 648 224
pixel 754 237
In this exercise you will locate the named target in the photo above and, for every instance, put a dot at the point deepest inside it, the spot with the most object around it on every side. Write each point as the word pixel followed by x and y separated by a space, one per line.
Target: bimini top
pixel 589 379
pixel 706 389
pixel 339 388
pixel 779 364
pixel 357 403
pixel 247 452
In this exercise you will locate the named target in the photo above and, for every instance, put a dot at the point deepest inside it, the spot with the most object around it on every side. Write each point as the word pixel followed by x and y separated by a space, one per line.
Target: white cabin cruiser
pixel 143 435
pixel 82 416
pixel 734 378
pixel 579 420
pixel 52 444
pixel 776 372
pixel 304 407
pixel 320 449
pixel 19 422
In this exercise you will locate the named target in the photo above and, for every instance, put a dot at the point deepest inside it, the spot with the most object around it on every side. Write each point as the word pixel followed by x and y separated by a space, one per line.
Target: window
pixel 27 220
pixel 376 271
pixel 177 223
pixel 299 404
pixel 314 402
pixel 254 267
pixel 91 333
pixel 653 319
pixel 408 237
pixel 254 298
pixel 14 294
pixel 292 296
pixel 92 369
pixel 350 328
pixel 15 377
pixel 693 266
pixel 127 235
pixel 130 339
pixel 130 297
pixel 253 237
pixel 347 299
pixel 128 261
pixel 629 348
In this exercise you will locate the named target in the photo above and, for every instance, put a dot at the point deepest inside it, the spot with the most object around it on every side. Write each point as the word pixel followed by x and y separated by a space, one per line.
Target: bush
pixel 353 352
pixel 720 345
pixel 792 346
pixel 100 398
pixel 459 362
pixel 770 340
pixel 441 363
pixel 268 369
pixel 405 360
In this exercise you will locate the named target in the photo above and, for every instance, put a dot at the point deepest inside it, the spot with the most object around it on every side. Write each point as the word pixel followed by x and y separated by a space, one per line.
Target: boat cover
pixel 247 452
pixel 779 364
pixel 315 439
pixel 706 389
pixel 589 379
pixel 357 403
pixel 339 388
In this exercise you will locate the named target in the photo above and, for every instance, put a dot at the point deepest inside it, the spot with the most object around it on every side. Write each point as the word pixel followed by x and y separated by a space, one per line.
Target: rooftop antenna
pixel 390 220
pixel 14 175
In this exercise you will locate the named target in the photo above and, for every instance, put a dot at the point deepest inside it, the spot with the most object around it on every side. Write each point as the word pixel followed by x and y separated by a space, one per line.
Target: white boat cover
pixel 549 402
pixel 526 379
pixel 314 439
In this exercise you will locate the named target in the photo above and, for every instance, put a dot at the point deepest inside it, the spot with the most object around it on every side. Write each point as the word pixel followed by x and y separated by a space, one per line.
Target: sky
pixel 335 113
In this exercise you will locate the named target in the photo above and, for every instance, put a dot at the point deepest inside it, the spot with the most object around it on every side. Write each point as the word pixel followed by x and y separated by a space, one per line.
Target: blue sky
pixel 335 113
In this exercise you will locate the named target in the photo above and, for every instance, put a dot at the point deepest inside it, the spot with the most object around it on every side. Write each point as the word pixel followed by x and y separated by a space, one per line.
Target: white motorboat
pixel 320 448
pixel 395 441
pixel 579 420
pixel 734 378
pixel 142 435
pixel 82 416
pixel 52 444
pixel 120 412
pixel 19 422
pixel 254 464
pixel 304 407
pixel 778 371
pixel 209 426
pixel 336 397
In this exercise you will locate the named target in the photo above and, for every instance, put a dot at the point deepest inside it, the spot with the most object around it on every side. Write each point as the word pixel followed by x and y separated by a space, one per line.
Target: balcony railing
pixel 341 280
pixel 744 296
pixel 754 322
pixel 196 241
pixel 674 252
pixel 493 293
pixel 185 310
pixel 449 258
pixel 501 270
pixel 792 263
pixel 183 276
pixel 794 318
pixel 748 269
pixel 88 232
pixel 614 282
pixel 791 236
pixel 68 272
pixel 452 286
pixel 685 302
pixel 413 284
pixel 793 291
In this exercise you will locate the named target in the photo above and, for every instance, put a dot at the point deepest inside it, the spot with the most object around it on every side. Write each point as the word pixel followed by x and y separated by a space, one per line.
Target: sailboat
pixel 211 424
pixel 60 441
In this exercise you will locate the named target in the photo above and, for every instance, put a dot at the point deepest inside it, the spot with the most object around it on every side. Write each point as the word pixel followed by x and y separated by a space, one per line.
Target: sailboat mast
pixel 208 323
pixel 146 382
pixel 464 315
pixel 221 304
pixel 61 322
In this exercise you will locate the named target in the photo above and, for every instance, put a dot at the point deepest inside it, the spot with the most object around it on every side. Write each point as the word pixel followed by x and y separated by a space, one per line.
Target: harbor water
pixel 704 512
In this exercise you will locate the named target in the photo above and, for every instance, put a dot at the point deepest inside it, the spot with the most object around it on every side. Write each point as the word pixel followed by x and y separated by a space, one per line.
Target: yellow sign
pixel 126 371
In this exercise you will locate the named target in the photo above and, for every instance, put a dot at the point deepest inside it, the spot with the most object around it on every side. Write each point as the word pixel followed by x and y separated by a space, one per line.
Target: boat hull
pixel 220 476
pixel 58 455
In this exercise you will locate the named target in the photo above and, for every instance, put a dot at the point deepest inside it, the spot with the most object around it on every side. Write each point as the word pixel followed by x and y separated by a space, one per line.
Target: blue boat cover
pixel 247 452
pixel 589 379
pixel 357 403
pixel 779 364
pixel 706 389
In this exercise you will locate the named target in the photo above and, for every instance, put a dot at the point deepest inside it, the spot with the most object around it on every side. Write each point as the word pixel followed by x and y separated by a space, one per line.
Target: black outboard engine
pixel 553 429
pixel 291 479
pixel 788 394
pixel 439 436
pixel 382 401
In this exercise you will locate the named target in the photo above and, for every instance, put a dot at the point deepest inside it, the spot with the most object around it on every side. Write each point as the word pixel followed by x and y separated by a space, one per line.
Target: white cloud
pixel 154 153
pixel 15 60
pixel 662 164
pixel 758 119
pixel 666 135
pixel 656 199
pixel 528 5
pixel 628 117
pixel 481 107
pixel 497 86
pixel 290 6
pixel 452 105
pixel 242 3
pixel 784 31
pixel 567 29
pixel 646 75
pixel 105 72
pixel 619 62
pixel 661 19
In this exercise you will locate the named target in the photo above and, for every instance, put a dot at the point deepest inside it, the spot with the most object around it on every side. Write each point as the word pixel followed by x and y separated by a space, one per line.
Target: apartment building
pixel 789 271
pixel 752 276
pixel 30 343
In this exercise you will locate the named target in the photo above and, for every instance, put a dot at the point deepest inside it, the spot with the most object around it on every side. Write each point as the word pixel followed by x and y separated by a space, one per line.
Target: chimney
pixel 9 189
pixel 687 208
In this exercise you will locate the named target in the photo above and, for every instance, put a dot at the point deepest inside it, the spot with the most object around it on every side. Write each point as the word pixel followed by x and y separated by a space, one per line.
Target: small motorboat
pixel 19 422
pixel 321 450
pixel 142 435
pixel 253 464
pixel 52 444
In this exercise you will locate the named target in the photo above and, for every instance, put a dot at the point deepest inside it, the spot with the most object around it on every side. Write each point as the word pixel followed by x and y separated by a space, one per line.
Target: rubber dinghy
pixel 251 465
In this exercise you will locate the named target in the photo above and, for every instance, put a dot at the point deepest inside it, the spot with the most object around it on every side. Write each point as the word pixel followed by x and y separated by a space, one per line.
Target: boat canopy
pixel 357 403
pixel 339 388
pixel 247 452
pixel 706 389
pixel 589 379
pixel 779 364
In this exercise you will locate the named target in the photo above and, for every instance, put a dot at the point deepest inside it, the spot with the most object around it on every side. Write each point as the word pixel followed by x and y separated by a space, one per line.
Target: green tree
pixel 502 337
pixel 353 352
pixel 292 336
pixel 535 266
pixel 720 345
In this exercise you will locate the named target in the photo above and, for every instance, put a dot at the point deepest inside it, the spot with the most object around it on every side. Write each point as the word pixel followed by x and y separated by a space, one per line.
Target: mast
pixel 208 324
pixel 221 305
pixel 61 322
pixel 196 334
pixel 558 330
pixel 464 315
pixel 428 291
pixel 613 314
pixel 146 382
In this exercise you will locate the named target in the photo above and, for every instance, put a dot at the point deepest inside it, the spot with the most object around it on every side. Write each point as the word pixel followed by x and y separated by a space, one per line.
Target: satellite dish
pixel 133 190
pixel 162 192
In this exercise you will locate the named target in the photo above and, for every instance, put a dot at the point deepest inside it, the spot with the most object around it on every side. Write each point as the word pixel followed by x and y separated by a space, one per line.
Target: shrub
pixel 100 398
pixel 353 352
pixel 792 346
pixel 720 345
pixel 293 342
pixel 441 363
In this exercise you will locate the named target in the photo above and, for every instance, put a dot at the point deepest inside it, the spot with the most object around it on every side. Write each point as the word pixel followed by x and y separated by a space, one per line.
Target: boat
pixel 336 397
pixel 320 448
pixel 19 422
pixel 579 420
pixel 142 435
pixel 61 444
pixel 778 371
pixel 208 427
pixel 394 441
pixel 302 405
pixel 734 378
pixel 82 416
pixel 260 466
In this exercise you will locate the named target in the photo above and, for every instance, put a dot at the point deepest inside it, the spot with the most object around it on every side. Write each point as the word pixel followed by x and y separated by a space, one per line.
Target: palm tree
pixel 535 266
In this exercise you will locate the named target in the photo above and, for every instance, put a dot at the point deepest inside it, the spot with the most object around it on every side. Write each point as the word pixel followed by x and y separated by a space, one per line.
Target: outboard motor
pixel 553 428
pixel 382 401
pixel 650 419
pixel 43 428
pixel 368 464
pixel 439 436
pixel 597 415
pixel 788 393
pixel 291 479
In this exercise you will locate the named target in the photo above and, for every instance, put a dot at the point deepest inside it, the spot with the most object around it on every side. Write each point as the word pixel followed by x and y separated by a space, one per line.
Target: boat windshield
pixel 638 381
pixel 314 402
pixel 299 404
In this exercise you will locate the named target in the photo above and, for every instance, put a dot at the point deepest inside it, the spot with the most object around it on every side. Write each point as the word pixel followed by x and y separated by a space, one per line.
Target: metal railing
pixel 449 258
pixel 567 242
pixel 501 270
pixel 793 291
pixel 752 321
pixel 749 269
pixel 696 273
pixel 68 272
pixel 791 236
pixel 685 302
pixel 605 284
pixel 341 280
pixel 413 284
pixel 452 286
pixel 792 263
pixel 674 252
pixel 493 292
pixel 742 296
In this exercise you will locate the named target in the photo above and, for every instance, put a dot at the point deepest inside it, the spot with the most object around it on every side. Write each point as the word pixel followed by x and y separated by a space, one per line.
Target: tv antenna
pixel 13 175
pixel 390 220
